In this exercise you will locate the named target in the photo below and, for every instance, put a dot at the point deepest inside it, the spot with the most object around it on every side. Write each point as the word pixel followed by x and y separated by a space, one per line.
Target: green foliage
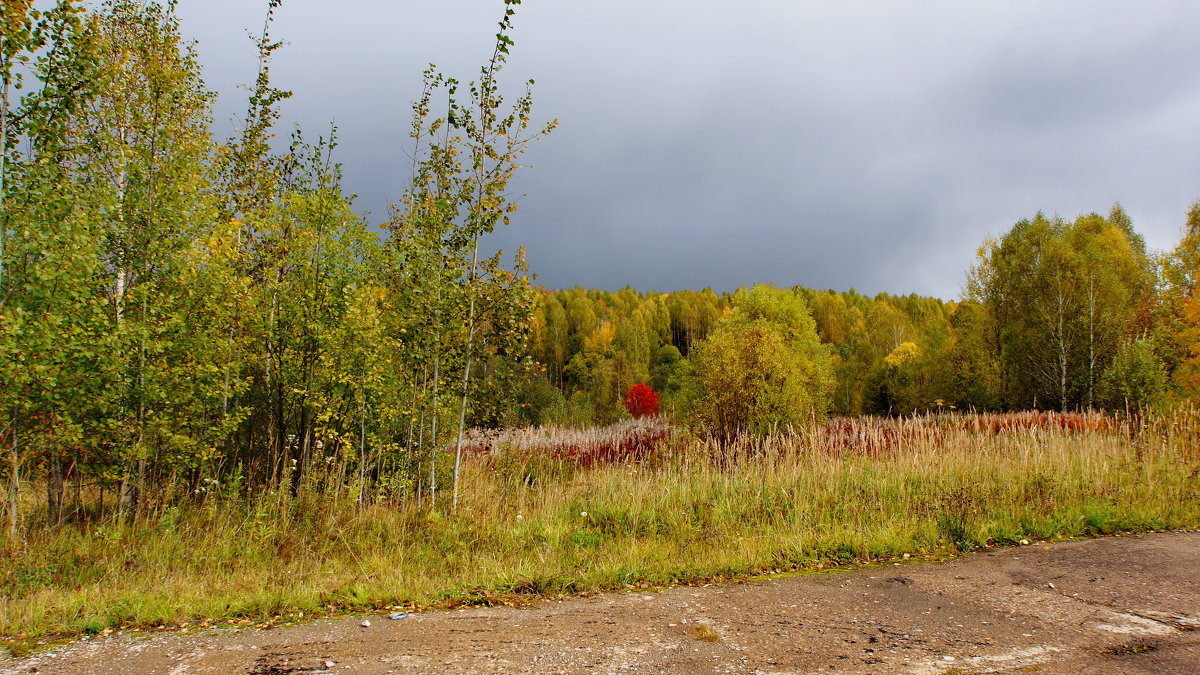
pixel 974 369
pixel 185 317
pixel 763 369
pixel 51 322
pixel 1134 380
pixel 669 370
pixel 1061 297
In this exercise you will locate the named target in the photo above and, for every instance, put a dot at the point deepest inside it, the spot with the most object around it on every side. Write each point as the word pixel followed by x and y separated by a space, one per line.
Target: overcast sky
pixel 707 143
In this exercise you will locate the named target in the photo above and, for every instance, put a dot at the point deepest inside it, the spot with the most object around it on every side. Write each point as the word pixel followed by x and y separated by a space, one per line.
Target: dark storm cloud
pixel 869 144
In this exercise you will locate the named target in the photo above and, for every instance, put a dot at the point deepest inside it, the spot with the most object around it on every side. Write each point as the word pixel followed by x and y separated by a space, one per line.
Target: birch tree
pixel 1061 296
pixel 47 252
pixel 465 161
pixel 143 146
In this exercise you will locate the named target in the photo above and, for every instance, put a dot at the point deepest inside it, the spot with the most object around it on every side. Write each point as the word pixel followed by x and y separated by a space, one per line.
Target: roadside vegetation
pixel 224 396
pixel 534 522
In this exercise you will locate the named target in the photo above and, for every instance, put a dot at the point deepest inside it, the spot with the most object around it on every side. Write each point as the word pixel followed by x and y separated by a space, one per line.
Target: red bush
pixel 642 400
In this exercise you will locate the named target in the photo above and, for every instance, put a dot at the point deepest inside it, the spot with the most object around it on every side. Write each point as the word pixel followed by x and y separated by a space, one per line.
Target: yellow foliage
pixel 905 353
pixel 1187 376
pixel 601 339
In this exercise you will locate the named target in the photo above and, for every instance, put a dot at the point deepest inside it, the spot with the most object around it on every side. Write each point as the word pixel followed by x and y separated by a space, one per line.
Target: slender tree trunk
pixel 485 102
pixel 121 281
pixel 54 490
pixel 14 480
pixel 433 427
pixel 466 382
pixel 278 441
pixel 1062 353
pixel 131 497
pixel 140 490
pixel 308 420
pixel 123 495
pixel 148 266
pixel 433 442
pixel 303 449
pixel 132 484
pixel 411 419
pixel 3 158
pixel 1091 383
pixel 77 498
pixel 420 449
pixel 282 444
pixel 362 439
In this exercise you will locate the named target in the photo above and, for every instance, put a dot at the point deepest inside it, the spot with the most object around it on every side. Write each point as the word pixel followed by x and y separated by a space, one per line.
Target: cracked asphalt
pixel 1128 604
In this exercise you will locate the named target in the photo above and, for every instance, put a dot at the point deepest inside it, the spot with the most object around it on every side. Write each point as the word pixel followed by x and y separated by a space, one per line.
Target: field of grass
pixel 664 509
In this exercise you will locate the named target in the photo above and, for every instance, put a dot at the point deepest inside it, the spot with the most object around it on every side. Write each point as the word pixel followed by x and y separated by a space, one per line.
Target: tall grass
pixel 535 521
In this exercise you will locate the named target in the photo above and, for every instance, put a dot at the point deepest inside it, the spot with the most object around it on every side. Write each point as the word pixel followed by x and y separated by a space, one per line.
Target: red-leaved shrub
pixel 642 400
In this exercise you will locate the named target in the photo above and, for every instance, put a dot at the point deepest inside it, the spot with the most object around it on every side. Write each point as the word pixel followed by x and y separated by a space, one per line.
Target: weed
pixel 92 625
pixel 587 539
pixel 705 633
pixel 1131 648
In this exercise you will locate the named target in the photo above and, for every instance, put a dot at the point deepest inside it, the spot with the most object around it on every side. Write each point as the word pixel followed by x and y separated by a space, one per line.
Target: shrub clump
pixel 763 369
pixel 641 400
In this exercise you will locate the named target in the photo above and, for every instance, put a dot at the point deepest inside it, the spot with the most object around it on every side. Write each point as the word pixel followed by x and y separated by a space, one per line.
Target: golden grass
pixel 533 526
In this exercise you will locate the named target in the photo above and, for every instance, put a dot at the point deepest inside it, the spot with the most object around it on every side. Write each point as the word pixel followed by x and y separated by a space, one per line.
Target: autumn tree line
pixel 185 314
pixel 1057 315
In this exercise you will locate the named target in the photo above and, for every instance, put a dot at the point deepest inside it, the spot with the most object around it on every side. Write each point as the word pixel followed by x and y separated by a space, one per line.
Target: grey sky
pixel 707 143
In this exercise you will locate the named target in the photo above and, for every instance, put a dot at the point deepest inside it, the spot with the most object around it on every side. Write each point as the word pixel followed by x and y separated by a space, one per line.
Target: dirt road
pixel 1113 605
